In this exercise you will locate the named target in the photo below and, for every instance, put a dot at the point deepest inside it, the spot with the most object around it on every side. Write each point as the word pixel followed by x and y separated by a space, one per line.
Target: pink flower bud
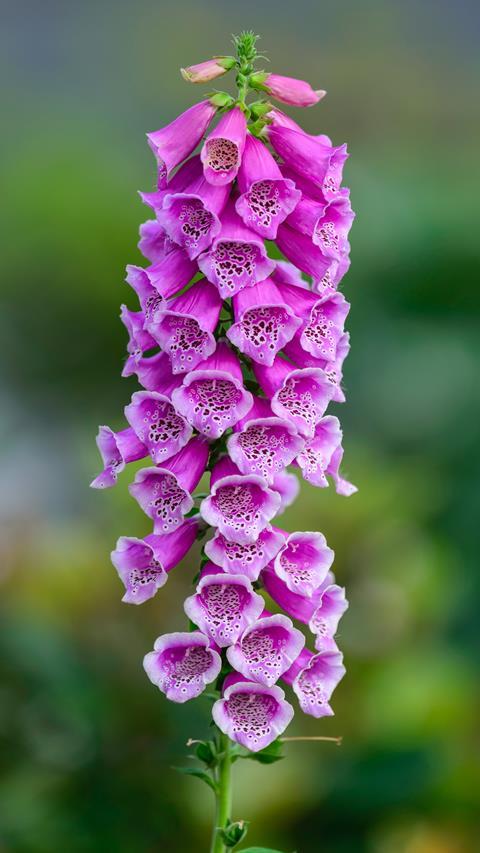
pixel 208 70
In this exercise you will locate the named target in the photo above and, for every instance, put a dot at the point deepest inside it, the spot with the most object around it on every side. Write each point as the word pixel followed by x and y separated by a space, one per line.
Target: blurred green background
pixel 88 743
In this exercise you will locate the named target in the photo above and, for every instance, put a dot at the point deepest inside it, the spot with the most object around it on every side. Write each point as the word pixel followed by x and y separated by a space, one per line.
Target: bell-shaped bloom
pixel 116 450
pixel 172 273
pixel 187 172
pixel 286 273
pixel 251 714
pixel 303 562
pixel 326 616
pixel 263 444
pixel 223 148
pixel 176 141
pixel 331 230
pixel 322 455
pixel 154 373
pixel 185 326
pixel 143 564
pixel 223 606
pixel 139 340
pixel 286 485
pixel 208 70
pixel 240 506
pixel 154 242
pixel 182 664
pixel 288 90
pixel 212 396
pixel 263 322
pixel 266 649
pixel 301 251
pixel 266 197
pixel 314 678
pixel 248 559
pixel 299 396
pixel 151 301
pixel 333 178
pixel 191 216
pixel 280 119
pixel 237 257
pixel 301 152
pixel 156 423
pixel 324 327
pixel 164 492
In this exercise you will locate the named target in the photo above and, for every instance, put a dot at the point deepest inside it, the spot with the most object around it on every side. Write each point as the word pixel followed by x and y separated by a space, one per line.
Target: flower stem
pixel 224 794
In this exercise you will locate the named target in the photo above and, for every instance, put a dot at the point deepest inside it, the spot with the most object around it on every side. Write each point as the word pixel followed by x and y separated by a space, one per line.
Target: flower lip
pixel 251 714
pixel 240 506
pixel 266 649
pixel 223 606
pixel 265 446
pixel 222 151
pixel 182 664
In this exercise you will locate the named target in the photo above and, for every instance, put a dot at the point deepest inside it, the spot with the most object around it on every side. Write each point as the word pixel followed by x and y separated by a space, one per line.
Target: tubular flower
pixel 238 348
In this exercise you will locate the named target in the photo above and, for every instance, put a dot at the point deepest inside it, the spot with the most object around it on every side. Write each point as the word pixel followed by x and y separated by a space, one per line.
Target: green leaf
pixel 234 833
pixel 271 753
pixel 200 774
pixel 259 850
pixel 205 751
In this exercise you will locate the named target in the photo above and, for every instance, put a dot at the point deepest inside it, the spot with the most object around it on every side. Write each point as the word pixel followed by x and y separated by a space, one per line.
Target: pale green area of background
pixel 88 742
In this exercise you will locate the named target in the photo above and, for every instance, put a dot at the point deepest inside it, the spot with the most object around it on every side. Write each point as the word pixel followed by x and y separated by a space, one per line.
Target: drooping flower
pixel 184 327
pixel 239 505
pixel 302 153
pixel 314 678
pixel 164 492
pixel 176 141
pixel 322 454
pixel 263 322
pixel 262 443
pixel 222 150
pixel 299 396
pixel 139 340
pixel 154 373
pixel 212 397
pixel 303 562
pixel 266 197
pixel 143 564
pixel 266 649
pixel 158 426
pixel 301 251
pixel 251 714
pixel 321 611
pixel 154 243
pixel 237 257
pixel 117 449
pixel 288 90
pixel 182 664
pixel 248 559
pixel 223 605
pixel 208 70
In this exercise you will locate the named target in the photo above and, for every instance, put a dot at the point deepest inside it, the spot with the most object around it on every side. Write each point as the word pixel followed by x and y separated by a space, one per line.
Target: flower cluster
pixel 238 355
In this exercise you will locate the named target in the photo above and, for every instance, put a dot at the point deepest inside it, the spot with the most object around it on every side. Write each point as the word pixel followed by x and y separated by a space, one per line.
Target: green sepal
pixel 221 100
pixel 260 108
pixel 227 62
pixel 257 80
pixel 234 833
pixel 199 774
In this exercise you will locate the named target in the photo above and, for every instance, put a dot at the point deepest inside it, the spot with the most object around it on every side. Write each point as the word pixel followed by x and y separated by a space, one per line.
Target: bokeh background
pixel 88 743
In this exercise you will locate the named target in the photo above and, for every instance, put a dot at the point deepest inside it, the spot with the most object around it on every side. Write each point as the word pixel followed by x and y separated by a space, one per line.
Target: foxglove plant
pixel 239 353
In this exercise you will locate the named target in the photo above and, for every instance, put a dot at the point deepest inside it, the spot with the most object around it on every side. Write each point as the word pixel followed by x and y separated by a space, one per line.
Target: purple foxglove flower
pixel 184 329
pixel 164 493
pixel 203 72
pixel 212 396
pixel 288 90
pixel 182 664
pixel 314 678
pixel 263 444
pixel 237 257
pixel 154 373
pixel 223 606
pixel 240 506
pixel 299 396
pixel 223 148
pixel 286 485
pixel 151 301
pixel 154 243
pixel 172 273
pixel 191 216
pixel 249 559
pixel 331 230
pixel 266 196
pixel 334 174
pixel 251 714
pixel 286 273
pixel 302 153
pixel 322 455
pixel 303 562
pixel 176 141
pixel 266 649
pixel 143 564
pixel 156 423
pixel 301 251
pixel 263 322
pixel 280 119
pixel 324 327
pixel 139 340
pixel 116 450
pixel 190 170
pixel 326 616
pixel 307 215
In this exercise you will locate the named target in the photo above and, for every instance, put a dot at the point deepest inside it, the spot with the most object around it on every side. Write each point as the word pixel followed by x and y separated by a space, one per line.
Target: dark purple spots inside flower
pixel 297 398
pixel 262 327
pixel 214 402
pixel 262 651
pixel 263 200
pixel 327 235
pixel 263 447
pixel 319 333
pixel 166 499
pixel 196 222
pixel 234 264
pixel 239 506
pixel 185 343
pixel 252 714
pixel 222 155
pixel 310 687
pixel 184 666
pixel 139 578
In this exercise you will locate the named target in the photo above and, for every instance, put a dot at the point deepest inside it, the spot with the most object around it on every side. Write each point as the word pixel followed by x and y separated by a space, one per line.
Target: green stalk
pixel 223 805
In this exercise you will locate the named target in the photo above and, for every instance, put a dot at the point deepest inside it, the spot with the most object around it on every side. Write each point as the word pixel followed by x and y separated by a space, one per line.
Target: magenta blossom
pixel 156 423
pixel 222 150
pixel 117 449
pixel 154 373
pixel 182 664
pixel 299 396
pixel 314 678
pixel 303 562
pixel 288 90
pixel 263 322
pixel 266 649
pixel 251 714
pixel 208 70
pixel 262 443
pixel 177 140
pixel 223 606
pixel 248 559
